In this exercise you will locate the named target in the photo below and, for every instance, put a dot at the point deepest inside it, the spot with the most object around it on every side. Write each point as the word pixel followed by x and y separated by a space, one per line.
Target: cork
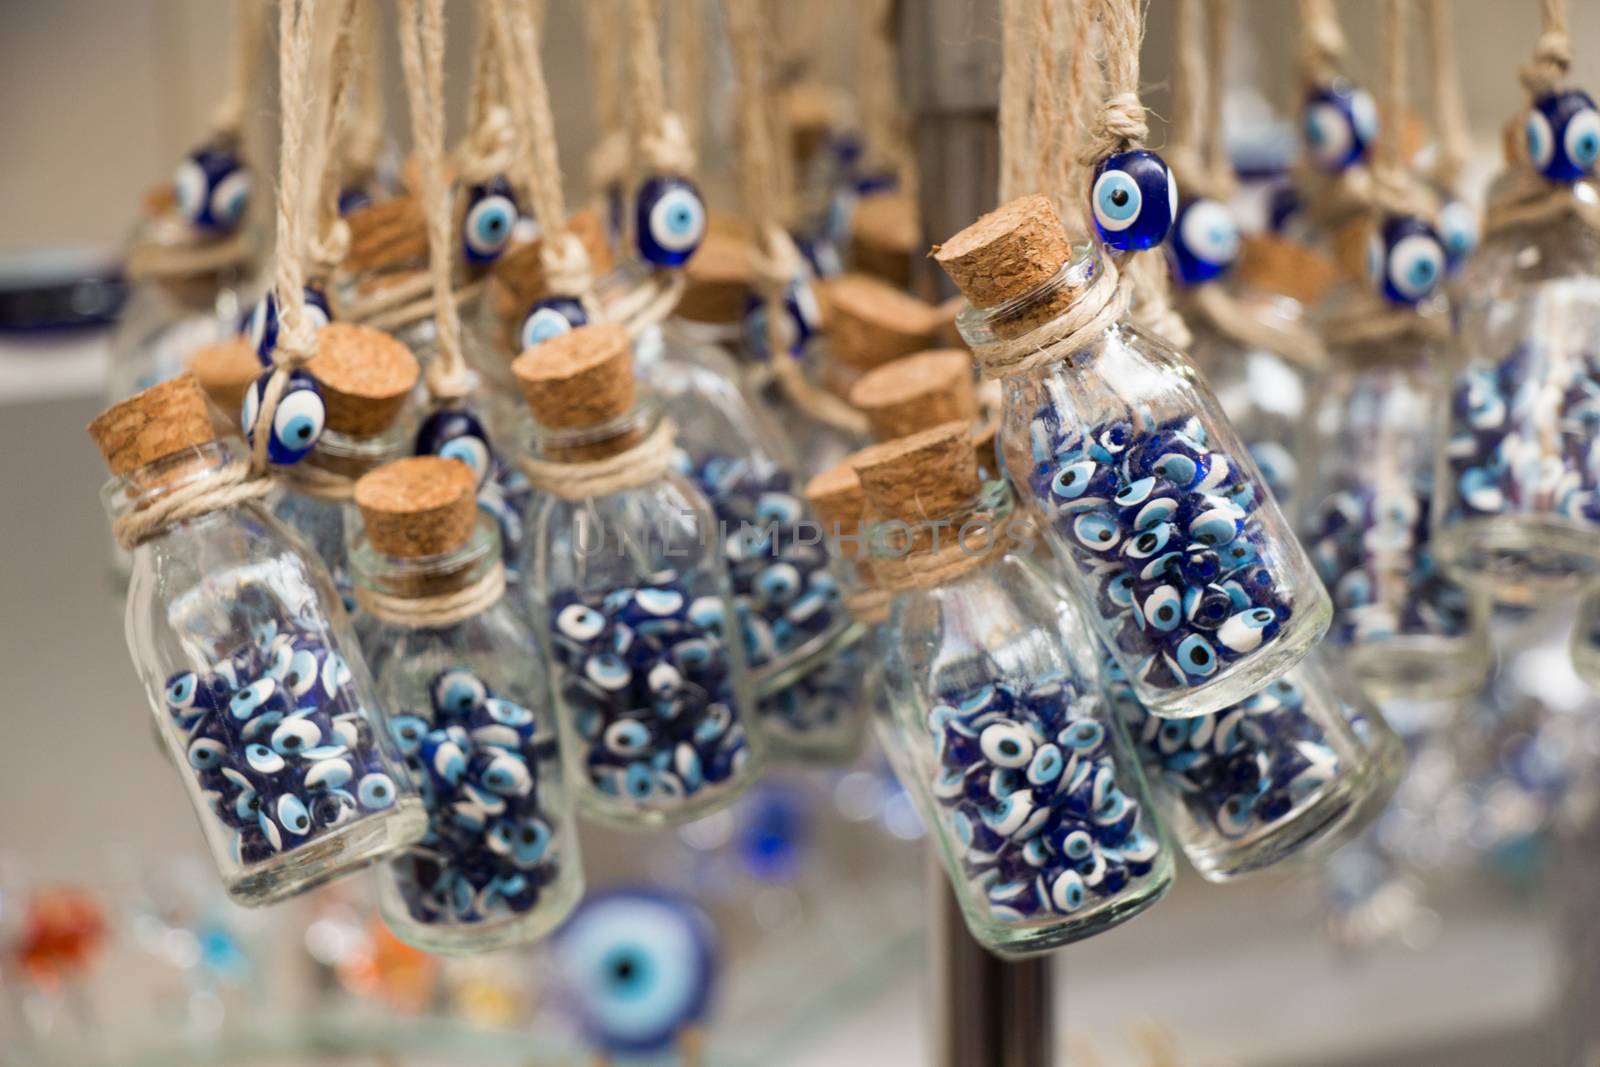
pixel 717 280
pixel 386 234
pixel 1278 265
pixel 1007 254
pixel 916 392
pixel 811 111
pixel 840 502
pixel 163 420
pixel 418 507
pixel 518 279
pixel 884 234
pixel 226 370
pixel 365 375
pixel 928 475
pixel 579 379
pixel 870 322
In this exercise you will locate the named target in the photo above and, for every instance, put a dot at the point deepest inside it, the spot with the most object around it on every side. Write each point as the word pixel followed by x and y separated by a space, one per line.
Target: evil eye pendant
pixel 296 425
pixel 490 221
pixel 1134 200
pixel 456 433
pixel 212 189
pixel 1339 124
pixel 551 317
pixel 1563 135
pixel 802 318
pixel 1458 231
pixel 669 220
pixel 261 327
pixel 1204 242
pixel 1406 260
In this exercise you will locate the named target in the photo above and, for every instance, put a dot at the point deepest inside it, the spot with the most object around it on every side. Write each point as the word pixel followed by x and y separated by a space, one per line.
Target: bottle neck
pixel 398 578
pixel 143 488
pixel 1047 322
pixel 590 443
pixel 929 552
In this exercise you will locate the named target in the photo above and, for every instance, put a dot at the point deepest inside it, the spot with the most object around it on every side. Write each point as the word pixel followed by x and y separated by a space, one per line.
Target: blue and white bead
pixel 669 220
pixel 297 422
pixel 1406 260
pixel 1340 124
pixel 1458 231
pixel 490 221
pixel 261 324
pixel 1205 241
pixel 1134 200
pixel 456 433
pixel 551 317
pixel 1562 133
pixel 212 189
pixel 802 320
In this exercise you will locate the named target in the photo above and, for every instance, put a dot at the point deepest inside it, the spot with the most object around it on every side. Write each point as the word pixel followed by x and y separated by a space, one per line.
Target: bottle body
pixel 996 724
pixel 1518 475
pixel 469 711
pixel 261 694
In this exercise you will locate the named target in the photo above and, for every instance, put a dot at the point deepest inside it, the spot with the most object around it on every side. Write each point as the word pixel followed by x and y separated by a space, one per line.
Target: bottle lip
pixel 641 419
pixel 427 575
pixel 146 485
pixel 985 328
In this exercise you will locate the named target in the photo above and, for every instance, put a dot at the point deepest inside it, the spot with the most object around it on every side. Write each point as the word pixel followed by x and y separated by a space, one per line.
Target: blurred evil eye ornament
pixel 1204 241
pixel 261 324
pixel 551 317
pixel 1339 123
pixel 490 221
pixel 669 220
pixel 212 189
pixel 1563 135
pixel 456 433
pixel 1406 260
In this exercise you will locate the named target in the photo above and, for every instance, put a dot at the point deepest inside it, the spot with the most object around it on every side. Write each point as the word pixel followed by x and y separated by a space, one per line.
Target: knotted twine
pixel 608 162
pixel 490 148
pixel 776 263
pixel 330 242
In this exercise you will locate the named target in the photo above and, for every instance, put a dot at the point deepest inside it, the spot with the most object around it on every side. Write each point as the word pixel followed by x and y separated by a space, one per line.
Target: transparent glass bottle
pixel 655 697
pixel 164 322
pixel 1517 507
pixel 469 709
pixel 1281 775
pixel 1405 627
pixel 996 723
pixel 1162 522
pixel 260 691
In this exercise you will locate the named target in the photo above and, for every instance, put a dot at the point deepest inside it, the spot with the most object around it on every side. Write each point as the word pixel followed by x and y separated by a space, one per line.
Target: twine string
pixel 608 162
pixel 364 140
pixel 249 36
pixel 663 145
pixel 331 242
pixel 490 148
pixel 230 484
pixel 439 609
pixel 1016 78
pixel 1097 308
pixel 687 69
pixel 1449 105
pixel 1552 56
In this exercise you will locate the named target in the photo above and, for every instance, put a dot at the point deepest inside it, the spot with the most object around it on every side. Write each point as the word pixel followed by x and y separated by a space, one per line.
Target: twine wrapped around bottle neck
pixel 646 461
pixel 1093 311
pixel 232 483
pixel 936 567
pixel 437 610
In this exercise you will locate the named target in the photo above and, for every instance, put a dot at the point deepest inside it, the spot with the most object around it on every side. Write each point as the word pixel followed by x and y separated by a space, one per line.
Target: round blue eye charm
pixel 1134 200
pixel 296 425
pixel 802 319
pixel 261 325
pixel 551 317
pixel 1563 135
pixel 212 189
pixel 1458 231
pixel 1406 260
pixel 669 220
pixel 1204 241
pixel 640 966
pixel 1339 123
pixel 456 433
pixel 491 218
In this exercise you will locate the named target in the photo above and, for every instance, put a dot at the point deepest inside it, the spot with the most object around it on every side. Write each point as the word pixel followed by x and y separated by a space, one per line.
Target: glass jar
pixel 1518 474
pixel 260 691
pixel 995 722
pixel 1405 627
pixel 1163 524
pixel 469 710
pixel 163 324
pixel 1280 775
pixel 654 696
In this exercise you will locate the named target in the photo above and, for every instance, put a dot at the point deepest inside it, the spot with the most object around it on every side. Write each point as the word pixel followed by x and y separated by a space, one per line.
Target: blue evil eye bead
pixel 1205 241
pixel 456 433
pixel 551 317
pixel 458 693
pixel 261 325
pixel 640 967
pixel 296 424
pixel 354 198
pixel 1339 123
pixel 1196 656
pixel 212 189
pixel 376 791
pixel 1406 260
pixel 1563 135
pixel 802 319
pixel 1458 231
pixel 669 220
pixel 1134 200
pixel 490 221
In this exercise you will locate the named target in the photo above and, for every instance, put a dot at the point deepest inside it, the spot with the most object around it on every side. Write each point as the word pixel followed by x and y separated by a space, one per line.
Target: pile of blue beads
pixel 1494 453
pixel 1241 771
pixel 281 749
pixel 1357 541
pixel 475 759
pixel 645 677
pixel 1031 793
pixel 1162 526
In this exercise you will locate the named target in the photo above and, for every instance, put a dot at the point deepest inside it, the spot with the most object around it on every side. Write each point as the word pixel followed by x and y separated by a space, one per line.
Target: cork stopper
pixel 161 421
pixel 929 475
pixel 718 279
pixel 884 233
pixel 418 507
pixel 870 322
pixel 365 375
pixel 1278 265
pixel 1007 253
pixel 840 502
pixel 518 279
pixel 579 379
pixel 916 392
pixel 225 370
pixel 387 233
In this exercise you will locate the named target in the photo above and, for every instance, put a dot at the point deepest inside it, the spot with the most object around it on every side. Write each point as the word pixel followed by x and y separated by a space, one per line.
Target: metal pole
pixel 988 1011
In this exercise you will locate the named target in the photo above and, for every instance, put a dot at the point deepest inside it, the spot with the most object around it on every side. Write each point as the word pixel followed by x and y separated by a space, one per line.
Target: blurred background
pixel 1462 933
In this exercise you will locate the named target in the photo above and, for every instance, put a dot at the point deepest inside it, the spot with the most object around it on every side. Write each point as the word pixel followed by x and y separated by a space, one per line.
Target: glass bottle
pixel 996 723
pixel 469 703
pixel 1517 506
pixel 165 321
pixel 1162 522
pixel 259 690
pixel 1405 627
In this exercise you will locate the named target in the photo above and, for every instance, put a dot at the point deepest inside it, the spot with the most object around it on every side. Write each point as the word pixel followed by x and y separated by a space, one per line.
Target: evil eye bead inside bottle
pixel 669 220
pixel 1339 123
pixel 1159 516
pixel 1134 200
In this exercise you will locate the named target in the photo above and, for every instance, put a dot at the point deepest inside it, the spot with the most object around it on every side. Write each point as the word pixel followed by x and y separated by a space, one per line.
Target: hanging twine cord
pixel 1449 106
pixel 439 610
pixel 1330 199
pixel 776 263
pixel 646 461
pixel 1016 77
pixel 1322 43
pixel 608 162
pixel 490 148
pixel 422 55
pixel 687 67
pixel 331 242
pixel 364 139
pixel 249 36
pixel 663 145
pixel 1552 56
